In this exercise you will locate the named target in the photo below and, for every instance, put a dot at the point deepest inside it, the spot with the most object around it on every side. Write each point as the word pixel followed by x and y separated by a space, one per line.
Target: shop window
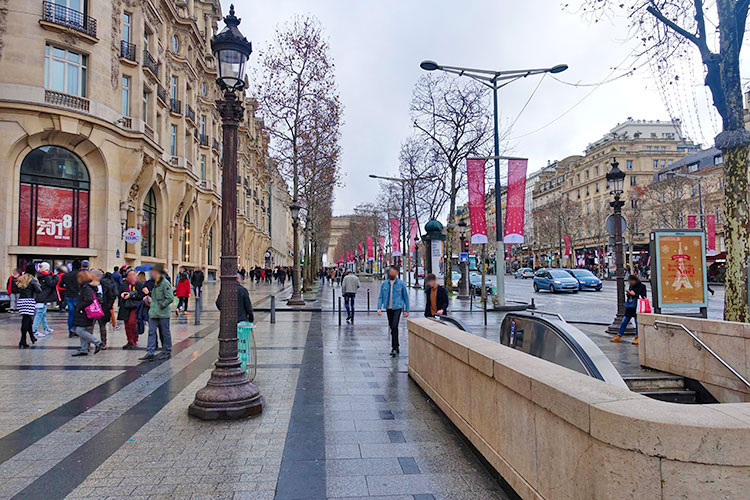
pixel 186 239
pixel 54 199
pixel 148 231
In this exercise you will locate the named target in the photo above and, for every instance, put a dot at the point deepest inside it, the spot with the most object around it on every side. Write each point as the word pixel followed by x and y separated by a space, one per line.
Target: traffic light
pixel 301 260
pixel 466 245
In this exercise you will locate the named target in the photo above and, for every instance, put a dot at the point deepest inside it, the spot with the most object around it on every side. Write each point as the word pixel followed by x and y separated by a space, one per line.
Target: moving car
pixel 555 280
pixel 523 273
pixel 586 279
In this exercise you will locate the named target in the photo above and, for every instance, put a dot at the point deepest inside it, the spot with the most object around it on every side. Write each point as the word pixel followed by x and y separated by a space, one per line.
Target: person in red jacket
pixel 183 292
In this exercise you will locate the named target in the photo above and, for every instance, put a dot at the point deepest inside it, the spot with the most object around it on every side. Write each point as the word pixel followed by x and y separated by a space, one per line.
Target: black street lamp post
pixel 229 394
pixel 616 180
pixel 296 298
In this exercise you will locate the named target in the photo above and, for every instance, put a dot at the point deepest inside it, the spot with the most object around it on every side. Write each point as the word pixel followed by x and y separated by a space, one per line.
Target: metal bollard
pixel 273 308
pixel 532 306
pixel 339 311
pixel 198 307
pixel 333 304
pixel 471 303
pixel 368 300
pixel 485 310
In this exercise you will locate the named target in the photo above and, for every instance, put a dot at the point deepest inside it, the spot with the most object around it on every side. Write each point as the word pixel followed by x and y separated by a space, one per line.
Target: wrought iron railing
pixel 203 139
pixel 69 18
pixel 175 106
pixel 67 100
pixel 150 63
pixel 195 133
pixel 189 113
pixel 161 93
pixel 215 144
pixel 127 50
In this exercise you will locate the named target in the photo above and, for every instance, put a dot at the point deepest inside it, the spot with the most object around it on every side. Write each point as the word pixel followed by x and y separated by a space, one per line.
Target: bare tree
pixel 452 114
pixel 668 27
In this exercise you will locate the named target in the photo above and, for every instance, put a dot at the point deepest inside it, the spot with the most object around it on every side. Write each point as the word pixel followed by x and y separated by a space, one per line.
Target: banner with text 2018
pixel 475 181
pixel 514 207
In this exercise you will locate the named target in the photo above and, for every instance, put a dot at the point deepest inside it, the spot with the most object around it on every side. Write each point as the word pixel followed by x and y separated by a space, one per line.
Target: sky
pixel 377 47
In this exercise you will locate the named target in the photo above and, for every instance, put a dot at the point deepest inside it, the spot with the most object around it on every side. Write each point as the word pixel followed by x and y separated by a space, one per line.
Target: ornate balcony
pixel 203 139
pixel 215 144
pixel 189 113
pixel 69 19
pixel 150 63
pixel 127 51
pixel 161 93
pixel 67 100
pixel 175 106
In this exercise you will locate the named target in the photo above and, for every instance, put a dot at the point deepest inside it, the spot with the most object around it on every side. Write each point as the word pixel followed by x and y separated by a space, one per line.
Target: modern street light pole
pixel 616 180
pixel 296 297
pixel 492 79
pixel 229 394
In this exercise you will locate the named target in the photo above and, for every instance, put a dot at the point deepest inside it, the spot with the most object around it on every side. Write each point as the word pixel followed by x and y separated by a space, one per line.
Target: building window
pixel 175 44
pixel 663 164
pixel 203 167
pixel 596 170
pixel 126 25
pixel 210 246
pixel 693 167
pixel 633 203
pixel 204 89
pixel 633 180
pixel 54 199
pixel 125 96
pixel 692 190
pixel 629 164
pixel 173 140
pixel 587 174
pixel 596 187
pixel 718 160
pixel 186 238
pixel 64 71
pixel 648 148
pixel 146 107
pixel 148 231
pixel 579 193
pixel 203 124
pixel 622 148
pixel 173 87
pixel 587 190
pixel 656 164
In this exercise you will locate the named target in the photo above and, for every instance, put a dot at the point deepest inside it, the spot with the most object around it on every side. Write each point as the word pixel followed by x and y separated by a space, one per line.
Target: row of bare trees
pixel 300 103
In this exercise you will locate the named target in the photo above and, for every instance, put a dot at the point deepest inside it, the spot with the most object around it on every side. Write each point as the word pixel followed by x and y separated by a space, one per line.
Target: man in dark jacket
pixel 106 293
pixel 83 324
pixel 71 288
pixel 244 306
pixel 437 297
pixel 197 281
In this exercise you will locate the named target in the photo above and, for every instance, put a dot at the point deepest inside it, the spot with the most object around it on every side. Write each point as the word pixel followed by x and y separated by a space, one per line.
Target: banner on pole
pixel 516 199
pixel 711 234
pixel 475 181
pixel 395 236
pixel 691 221
pixel 567 245
pixel 413 234
pixel 370 251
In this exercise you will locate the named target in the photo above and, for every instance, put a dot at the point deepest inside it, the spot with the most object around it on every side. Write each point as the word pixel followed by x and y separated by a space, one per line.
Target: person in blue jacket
pixel 394 298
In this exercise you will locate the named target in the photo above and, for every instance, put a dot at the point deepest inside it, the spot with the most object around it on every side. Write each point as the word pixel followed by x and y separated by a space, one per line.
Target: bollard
pixel 333 304
pixel 368 300
pixel 532 306
pixel 339 311
pixel 198 306
pixel 273 308
pixel 471 304
pixel 485 310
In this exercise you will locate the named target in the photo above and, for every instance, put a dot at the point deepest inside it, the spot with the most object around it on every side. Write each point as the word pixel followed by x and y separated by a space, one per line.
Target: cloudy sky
pixel 378 45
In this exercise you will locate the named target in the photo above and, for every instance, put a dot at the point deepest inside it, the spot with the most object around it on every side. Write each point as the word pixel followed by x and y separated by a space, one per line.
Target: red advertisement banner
pixel 691 221
pixel 395 236
pixel 477 216
pixel 566 238
pixel 412 234
pixel 711 234
pixel 516 199
pixel 370 250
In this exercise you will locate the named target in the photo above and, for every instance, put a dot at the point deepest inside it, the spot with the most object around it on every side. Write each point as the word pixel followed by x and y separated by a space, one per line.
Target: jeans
pixel 166 337
pixel 394 315
pixel 71 302
pixel 40 317
pixel 103 327
pixel 349 303
pixel 182 302
pixel 13 301
pixel 629 313
pixel 84 333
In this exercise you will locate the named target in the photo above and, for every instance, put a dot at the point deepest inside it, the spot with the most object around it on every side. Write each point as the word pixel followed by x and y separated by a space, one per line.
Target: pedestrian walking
pixel 117 277
pixel 244 305
pixel 70 286
pixel 28 287
pixel 197 280
pixel 130 299
pixel 13 289
pixel 183 293
pixel 636 291
pixel 349 287
pixel 106 293
pixel 159 301
pixel 437 297
pixel 394 298
pixel 87 312
pixel 47 293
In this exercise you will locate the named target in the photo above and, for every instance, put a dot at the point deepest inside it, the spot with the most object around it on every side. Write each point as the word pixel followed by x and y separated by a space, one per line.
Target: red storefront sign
pixel 53 217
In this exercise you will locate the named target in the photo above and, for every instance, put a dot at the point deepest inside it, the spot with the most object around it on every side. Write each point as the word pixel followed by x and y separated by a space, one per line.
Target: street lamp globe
pixel 429 65
pixel 231 50
pixel 295 208
pixel 616 178
pixel 462 227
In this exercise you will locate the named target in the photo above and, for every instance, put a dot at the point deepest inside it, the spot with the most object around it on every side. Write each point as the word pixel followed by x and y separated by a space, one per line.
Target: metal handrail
pixel 703 344
pixel 442 318
pixel 543 313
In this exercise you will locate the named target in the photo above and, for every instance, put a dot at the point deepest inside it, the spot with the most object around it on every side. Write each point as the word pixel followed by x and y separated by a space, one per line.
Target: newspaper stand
pixel 246 348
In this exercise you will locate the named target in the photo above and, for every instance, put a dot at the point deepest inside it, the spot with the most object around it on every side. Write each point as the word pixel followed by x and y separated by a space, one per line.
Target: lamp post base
pixel 615 326
pixel 295 300
pixel 228 395
pixel 462 296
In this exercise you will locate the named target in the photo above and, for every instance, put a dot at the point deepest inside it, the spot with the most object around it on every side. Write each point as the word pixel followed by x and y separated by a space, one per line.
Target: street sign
pixel 132 235
pixel 610 224
pixel 463 257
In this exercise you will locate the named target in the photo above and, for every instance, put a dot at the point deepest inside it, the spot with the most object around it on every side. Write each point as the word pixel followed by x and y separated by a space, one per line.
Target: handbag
pixel 644 306
pixel 631 303
pixel 94 310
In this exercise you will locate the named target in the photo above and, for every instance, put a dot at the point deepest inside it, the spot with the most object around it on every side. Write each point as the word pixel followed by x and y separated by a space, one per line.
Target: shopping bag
pixel 644 306
pixel 94 310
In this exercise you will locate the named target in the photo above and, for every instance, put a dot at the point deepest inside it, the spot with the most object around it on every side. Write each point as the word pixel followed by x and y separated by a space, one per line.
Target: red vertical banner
pixel 691 221
pixel 516 198
pixel 370 250
pixel 413 234
pixel 395 236
pixel 475 181
pixel 361 252
pixel 567 244
pixel 711 234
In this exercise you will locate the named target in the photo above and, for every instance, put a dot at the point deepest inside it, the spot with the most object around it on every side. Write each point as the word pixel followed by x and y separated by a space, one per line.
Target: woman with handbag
pixel 635 293
pixel 87 311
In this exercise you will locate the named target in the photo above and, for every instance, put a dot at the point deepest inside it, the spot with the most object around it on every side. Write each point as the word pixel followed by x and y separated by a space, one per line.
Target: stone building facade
pixel 108 122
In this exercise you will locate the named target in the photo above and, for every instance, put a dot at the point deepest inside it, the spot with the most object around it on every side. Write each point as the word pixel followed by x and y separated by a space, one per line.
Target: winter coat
pixel 86 295
pixel 12 285
pixel 350 284
pixel 70 284
pixel 109 293
pixel 48 288
pixel 162 297
pixel 442 300
pixel 30 291
pixel 244 306
pixel 134 299
pixel 400 295
pixel 197 279
pixel 183 288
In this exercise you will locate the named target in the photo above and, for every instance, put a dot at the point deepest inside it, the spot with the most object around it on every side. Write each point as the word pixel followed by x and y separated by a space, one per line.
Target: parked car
pixel 555 280
pixel 4 301
pixel 475 284
pixel 523 273
pixel 586 279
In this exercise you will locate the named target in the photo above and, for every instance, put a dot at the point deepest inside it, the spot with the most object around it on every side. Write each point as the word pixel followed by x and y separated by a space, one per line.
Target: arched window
pixel 210 259
pixel 54 199
pixel 148 231
pixel 186 238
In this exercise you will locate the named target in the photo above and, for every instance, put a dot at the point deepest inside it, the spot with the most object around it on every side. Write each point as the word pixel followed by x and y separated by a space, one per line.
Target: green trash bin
pixel 246 348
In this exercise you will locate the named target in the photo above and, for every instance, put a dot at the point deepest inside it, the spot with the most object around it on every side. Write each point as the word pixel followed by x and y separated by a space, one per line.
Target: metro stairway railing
pixel 702 345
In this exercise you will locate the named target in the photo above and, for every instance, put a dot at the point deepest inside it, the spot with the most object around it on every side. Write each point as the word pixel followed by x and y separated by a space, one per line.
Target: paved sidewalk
pixel 341 418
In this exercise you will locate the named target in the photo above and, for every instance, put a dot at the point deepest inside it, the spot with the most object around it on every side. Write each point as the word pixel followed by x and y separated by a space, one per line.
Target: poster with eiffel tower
pixel 680 268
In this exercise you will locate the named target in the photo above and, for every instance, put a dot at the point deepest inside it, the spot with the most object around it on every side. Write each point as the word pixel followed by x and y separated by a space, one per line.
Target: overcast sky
pixel 377 47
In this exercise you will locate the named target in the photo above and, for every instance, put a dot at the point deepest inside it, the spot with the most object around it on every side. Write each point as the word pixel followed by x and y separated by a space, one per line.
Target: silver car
pixel 523 273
